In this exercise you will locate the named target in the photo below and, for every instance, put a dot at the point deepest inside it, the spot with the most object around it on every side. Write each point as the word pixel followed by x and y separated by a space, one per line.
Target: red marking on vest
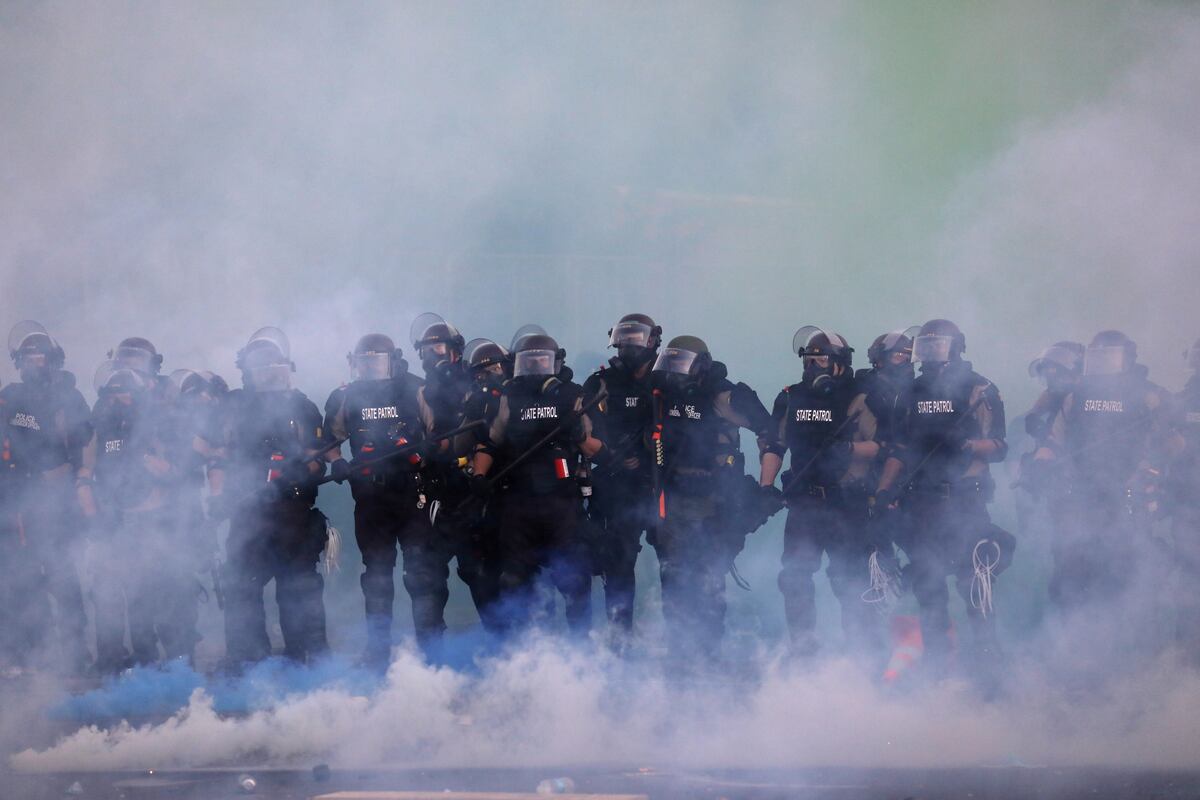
pixel 561 468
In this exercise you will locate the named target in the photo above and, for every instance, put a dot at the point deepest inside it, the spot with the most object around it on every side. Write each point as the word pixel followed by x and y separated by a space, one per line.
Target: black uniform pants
pixel 144 570
pixel 1095 549
pixel 693 559
pixel 42 533
pixel 539 540
pixel 944 530
pixel 279 541
pixel 623 503
pixel 815 526
pixel 1186 528
pixel 474 544
pixel 384 518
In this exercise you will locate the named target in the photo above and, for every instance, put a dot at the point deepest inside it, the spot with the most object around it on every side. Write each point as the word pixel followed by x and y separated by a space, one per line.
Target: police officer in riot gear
pixel 1185 505
pixel 274 441
pixel 1115 431
pixel 377 413
pixel 478 555
pixel 45 424
pixel 621 479
pixel 693 404
pixel 826 424
pixel 952 427
pixel 540 501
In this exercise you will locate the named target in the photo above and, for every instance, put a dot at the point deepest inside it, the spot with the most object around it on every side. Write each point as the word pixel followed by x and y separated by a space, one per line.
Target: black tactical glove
pixel 881 502
pixel 772 495
pixel 339 470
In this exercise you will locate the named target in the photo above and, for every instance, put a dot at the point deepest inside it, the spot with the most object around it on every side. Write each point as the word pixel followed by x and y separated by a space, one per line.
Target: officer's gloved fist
pixel 883 501
pixel 339 470
pixel 481 487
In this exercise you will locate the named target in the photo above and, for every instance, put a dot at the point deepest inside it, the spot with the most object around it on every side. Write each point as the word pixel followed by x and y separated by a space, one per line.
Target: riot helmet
pixel 197 387
pixel 486 358
pixel 528 329
pixel 435 340
pixel 1109 353
pixel 684 361
pixel 1058 365
pixel 826 356
pixel 34 353
pixel 538 355
pixel 115 380
pixel 375 357
pixel 265 361
pixel 636 338
pixel 939 341
pixel 138 354
pixel 893 351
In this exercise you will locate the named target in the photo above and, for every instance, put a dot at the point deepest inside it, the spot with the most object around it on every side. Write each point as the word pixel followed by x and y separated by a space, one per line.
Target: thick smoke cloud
pixel 192 173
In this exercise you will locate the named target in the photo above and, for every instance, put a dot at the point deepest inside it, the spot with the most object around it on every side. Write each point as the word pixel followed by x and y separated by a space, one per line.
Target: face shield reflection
pixel 635 334
pixel 534 362
pixel 675 361
pixel 270 378
pixel 931 348
pixel 1104 360
pixel 371 367
pixel 135 358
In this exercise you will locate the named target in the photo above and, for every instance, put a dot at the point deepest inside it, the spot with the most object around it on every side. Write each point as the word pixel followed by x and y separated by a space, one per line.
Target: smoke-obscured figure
pixel 539 432
pixel 45 425
pixel 694 404
pixel 142 567
pixel 951 428
pixel 379 413
pixel 439 345
pixel 490 367
pixel 1116 431
pixel 1058 368
pixel 1185 505
pixel 274 442
pixel 827 426
pixel 622 480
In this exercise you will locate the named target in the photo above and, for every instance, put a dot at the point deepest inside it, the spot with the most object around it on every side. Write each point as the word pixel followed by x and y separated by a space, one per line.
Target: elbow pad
pixel 744 401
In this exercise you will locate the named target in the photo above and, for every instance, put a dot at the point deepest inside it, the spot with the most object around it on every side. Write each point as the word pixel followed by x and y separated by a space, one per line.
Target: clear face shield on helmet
pixel 932 348
pixel 1055 367
pixel 30 345
pixel 675 361
pixel 1104 360
pixel 138 359
pixel 116 381
pixel 535 362
pixel 370 366
pixel 630 334
pixel 266 361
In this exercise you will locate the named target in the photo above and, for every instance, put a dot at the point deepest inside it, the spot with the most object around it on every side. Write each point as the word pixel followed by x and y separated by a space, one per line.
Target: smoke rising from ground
pixel 193 173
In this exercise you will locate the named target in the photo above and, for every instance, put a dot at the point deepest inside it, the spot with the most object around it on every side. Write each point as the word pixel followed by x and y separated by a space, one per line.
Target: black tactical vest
pixel 35 426
pixel 124 434
pixel 936 428
pixel 445 393
pixel 627 409
pixel 532 414
pixel 269 430
pixel 382 416
pixel 885 398
pixel 1186 479
pixel 691 430
pixel 1107 428
pixel 814 421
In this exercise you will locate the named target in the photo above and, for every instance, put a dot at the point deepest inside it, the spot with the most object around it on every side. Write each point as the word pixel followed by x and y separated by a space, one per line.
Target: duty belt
pixel 947 490
pixel 823 493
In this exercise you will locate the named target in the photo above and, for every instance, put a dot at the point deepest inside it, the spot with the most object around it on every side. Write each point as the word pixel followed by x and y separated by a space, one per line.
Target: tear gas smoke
pixel 192 173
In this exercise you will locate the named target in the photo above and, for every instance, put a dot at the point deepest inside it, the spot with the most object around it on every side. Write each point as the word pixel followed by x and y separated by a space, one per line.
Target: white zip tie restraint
pixel 884 591
pixel 985 573
pixel 333 548
pixel 434 508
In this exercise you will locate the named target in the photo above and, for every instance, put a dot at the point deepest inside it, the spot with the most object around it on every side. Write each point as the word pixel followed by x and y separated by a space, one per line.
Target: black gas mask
pixel 633 357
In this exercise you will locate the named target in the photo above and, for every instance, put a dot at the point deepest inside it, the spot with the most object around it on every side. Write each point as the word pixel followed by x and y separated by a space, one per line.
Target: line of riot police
pixel 533 484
